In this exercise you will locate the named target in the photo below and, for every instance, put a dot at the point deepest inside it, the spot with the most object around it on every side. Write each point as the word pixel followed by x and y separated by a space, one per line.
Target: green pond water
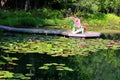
pixel 39 57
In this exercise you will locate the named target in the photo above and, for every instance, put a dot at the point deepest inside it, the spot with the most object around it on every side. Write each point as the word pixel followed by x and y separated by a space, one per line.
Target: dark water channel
pixel 100 65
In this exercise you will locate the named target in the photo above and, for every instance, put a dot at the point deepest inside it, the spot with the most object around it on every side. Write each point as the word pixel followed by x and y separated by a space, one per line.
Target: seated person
pixel 77 27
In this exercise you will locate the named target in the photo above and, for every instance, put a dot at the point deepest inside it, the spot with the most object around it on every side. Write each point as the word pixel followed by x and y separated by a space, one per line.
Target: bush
pixel 11 22
pixel 27 22
pixel 5 14
pixel 20 22
pixel 22 13
pixel 48 13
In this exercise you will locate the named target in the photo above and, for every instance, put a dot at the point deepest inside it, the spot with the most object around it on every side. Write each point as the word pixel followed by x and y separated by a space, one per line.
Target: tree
pixel 27 5
pixel 2 3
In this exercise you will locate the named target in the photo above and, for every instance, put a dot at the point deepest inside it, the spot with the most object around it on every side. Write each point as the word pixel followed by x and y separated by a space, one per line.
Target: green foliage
pixel 102 21
pixel 5 14
pixel 27 21
pixel 35 18
pixel 20 22
pixel 6 74
pixel 11 22
pixel 2 63
pixel 59 57
pixel 95 6
pixel 54 19
pixel 91 6
pixel 113 18
pixel 22 13
pixel 11 76
pixel 55 66
pixel 54 46
pixel 1 31
pixel 48 13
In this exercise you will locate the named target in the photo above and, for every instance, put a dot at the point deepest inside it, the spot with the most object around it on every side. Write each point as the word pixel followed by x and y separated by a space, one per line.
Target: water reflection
pixel 102 65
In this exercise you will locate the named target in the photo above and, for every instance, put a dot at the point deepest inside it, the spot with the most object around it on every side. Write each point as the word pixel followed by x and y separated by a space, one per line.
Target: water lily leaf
pixel 6 58
pixel 28 68
pixel 44 67
pixel 68 69
pixel 25 78
pixel 28 74
pixel 14 58
pixel 18 75
pixel 54 55
pixel 72 54
pixel 29 65
pixel 62 64
pixel 64 55
pixel 55 64
pixel 49 45
pixel 12 63
pixel 48 64
pixel 2 63
pixel 6 74
pixel 60 69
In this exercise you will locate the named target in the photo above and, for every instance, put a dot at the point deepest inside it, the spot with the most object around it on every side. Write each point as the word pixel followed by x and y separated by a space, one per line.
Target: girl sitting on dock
pixel 76 26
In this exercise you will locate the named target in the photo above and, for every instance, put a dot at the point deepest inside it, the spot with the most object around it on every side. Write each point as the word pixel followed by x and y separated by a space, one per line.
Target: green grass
pixel 53 19
pixel 103 22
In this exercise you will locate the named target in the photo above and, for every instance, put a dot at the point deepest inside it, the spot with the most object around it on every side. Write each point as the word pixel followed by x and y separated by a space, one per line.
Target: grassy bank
pixel 103 22
pixel 53 19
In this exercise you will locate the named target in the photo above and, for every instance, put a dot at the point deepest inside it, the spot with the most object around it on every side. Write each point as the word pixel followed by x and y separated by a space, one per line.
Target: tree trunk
pixel 27 5
pixel 2 3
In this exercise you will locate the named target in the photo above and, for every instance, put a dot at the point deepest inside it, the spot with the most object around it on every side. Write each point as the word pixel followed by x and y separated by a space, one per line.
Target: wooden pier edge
pixel 54 32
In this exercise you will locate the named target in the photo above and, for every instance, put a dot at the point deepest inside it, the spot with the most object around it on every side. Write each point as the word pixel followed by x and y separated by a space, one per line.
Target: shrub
pixel 5 14
pixel 48 13
pixel 20 22
pixel 27 21
pixel 22 13
pixel 11 22
pixel 49 22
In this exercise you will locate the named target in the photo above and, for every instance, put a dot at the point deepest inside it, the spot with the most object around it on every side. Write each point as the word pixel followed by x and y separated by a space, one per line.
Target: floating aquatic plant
pixel 6 74
pixel 54 45
pixel 56 66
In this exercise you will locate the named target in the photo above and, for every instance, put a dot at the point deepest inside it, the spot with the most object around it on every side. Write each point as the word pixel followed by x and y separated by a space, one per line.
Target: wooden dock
pixel 54 32
pixel 86 34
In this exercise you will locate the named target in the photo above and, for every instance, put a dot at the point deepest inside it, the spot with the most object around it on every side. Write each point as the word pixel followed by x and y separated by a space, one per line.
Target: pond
pixel 39 57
